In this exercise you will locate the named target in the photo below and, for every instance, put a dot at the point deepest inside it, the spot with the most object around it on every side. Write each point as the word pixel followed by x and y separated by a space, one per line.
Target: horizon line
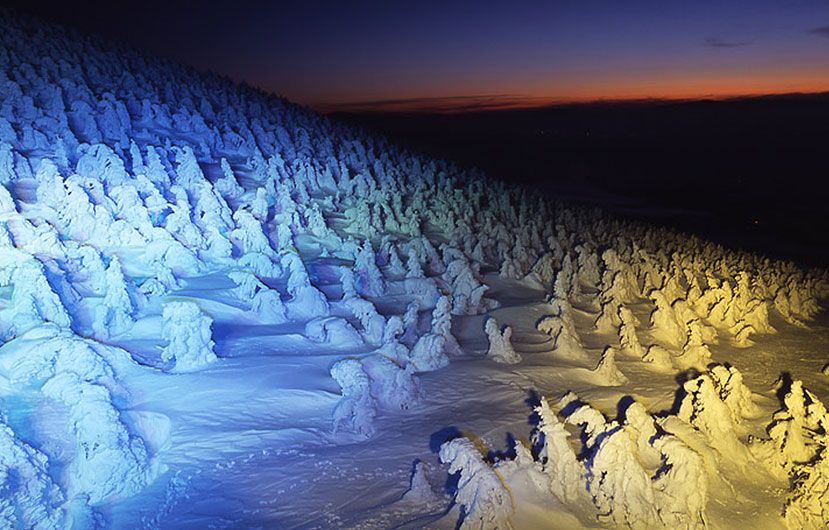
pixel 470 104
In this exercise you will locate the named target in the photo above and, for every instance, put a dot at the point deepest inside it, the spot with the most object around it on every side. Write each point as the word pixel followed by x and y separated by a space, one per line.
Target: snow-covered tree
pixel 33 300
pixel 664 323
pixel 332 330
pixel 430 351
pixel 355 412
pixel 659 358
pixel 627 334
pixel 369 279
pixel 306 300
pixel 227 185
pixel 500 346
pixel 114 315
pixel 621 488
pixel 562 328
pixel 29 498
pixel 705 411
pixel 486 501
pixel 189 337
pixel 393 385
pixel 681 491
pixel 371 322
pixel 795 432
pixel 557 455
pixel 109 461
pixel 606 372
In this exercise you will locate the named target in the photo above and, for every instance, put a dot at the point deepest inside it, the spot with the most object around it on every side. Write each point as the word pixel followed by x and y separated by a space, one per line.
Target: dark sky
pixel 354 54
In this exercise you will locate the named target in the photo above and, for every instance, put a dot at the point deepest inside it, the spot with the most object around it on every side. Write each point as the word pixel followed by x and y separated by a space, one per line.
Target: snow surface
pixel 220 310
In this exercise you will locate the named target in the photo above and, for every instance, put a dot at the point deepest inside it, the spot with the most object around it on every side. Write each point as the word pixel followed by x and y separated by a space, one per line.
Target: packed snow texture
pixel 196 275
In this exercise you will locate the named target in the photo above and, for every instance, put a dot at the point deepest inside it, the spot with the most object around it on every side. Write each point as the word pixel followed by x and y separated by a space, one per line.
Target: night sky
pixel 352 55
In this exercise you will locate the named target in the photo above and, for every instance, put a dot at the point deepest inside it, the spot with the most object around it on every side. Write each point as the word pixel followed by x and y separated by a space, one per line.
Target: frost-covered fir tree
pixel 486 501
pixel 369 279
pixel 430 351
pixel 703 409
pixel 306 300
pixel 114 315
pixel 189 337
pixel 606 372
pixel 557 455
pixel 500 346
pixel 268 307
pixel 227 185
pixel 356 410
pixel 627 334
pixel 29 498
pixel 33 300
pixel 681 491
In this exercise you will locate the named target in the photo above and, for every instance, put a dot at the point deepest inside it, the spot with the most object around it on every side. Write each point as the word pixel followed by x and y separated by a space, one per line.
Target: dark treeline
pixel 747 172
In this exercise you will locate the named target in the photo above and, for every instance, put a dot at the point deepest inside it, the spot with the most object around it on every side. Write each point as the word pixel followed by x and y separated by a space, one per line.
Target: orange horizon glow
pixel 662 90
pixel 472 56
pixel 723 81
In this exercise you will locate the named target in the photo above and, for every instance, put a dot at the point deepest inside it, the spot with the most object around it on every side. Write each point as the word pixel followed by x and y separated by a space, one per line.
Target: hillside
pixel 742 171
pixel 221 310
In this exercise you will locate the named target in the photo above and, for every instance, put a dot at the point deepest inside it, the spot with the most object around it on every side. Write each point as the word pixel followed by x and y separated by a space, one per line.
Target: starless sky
pixel 358 54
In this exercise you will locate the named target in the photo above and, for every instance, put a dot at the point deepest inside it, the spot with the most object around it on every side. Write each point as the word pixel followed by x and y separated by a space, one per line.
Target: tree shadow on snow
pixel 442 436
pixel 495 455
pixel 681 378
pixel 783 385
pixel 622 407
pixel 533 401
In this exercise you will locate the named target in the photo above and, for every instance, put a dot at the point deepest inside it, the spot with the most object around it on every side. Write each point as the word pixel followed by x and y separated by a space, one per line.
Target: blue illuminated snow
pixel 196 275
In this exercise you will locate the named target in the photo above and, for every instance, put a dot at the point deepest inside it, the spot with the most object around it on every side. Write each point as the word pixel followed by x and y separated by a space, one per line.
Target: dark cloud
pixel 714 42
pixel 822 31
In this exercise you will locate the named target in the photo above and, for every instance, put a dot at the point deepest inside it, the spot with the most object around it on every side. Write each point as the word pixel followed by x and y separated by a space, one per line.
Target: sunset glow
pixel 464 56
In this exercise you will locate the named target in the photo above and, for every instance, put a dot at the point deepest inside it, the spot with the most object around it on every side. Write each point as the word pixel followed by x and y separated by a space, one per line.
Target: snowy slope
pixel 220 310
